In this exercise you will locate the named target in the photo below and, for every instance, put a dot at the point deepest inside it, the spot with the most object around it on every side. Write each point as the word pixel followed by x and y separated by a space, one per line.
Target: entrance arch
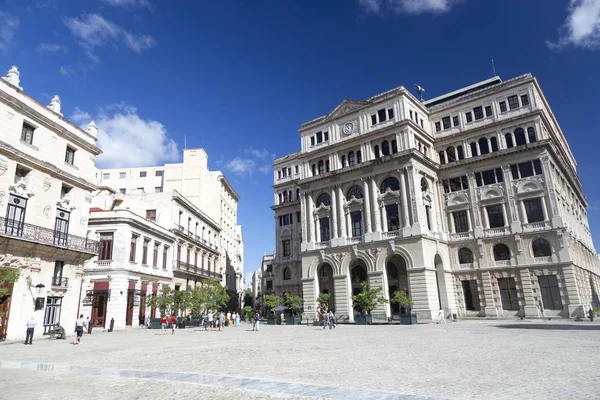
pixel 325 279
pixel 358 275
pixel 397 278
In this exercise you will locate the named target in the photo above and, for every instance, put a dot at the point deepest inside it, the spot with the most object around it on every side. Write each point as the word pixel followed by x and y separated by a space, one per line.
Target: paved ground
pixel 462 360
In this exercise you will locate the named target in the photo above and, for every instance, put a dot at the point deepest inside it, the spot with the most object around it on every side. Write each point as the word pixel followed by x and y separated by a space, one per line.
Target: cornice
pixel 96 218
pixel 199 213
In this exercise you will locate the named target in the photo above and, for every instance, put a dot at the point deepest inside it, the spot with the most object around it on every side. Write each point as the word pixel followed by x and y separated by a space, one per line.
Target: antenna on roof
pixel 494 68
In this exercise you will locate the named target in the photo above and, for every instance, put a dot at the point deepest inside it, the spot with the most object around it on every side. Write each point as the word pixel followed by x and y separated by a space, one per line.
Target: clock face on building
pixel 348 127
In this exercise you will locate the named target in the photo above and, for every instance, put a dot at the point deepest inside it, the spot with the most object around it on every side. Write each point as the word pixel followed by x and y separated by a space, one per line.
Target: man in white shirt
pixel 30 326
pixel 79 325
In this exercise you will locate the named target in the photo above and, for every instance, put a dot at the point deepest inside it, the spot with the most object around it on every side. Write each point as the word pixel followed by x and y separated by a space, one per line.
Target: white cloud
pixel 408 6
pixel 81 118
pixel 262 154
pixel 50 48
pixel 266 169
pixel 129 3
pixel 8 26
pixel 582 26
pixel 127 140
pixel 241 166
pixel 92 31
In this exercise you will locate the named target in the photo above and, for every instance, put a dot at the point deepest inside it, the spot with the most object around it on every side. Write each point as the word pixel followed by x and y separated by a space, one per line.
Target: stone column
pixel 343 222
pixel 513 211
pixel 376 217
pixel 528 302
pixel 376 281
pixel 367 204
pixel 573 298
pixel 310 297
pixel 341 302
pixel 490 305
pixel 310 219
pixel 404 199
pixel 545 209
pixel 504 213
pixel 303 216
pixel 334 212
pixel 555 217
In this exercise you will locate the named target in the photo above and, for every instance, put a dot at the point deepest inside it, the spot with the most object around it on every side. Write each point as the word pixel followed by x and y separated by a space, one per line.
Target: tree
pixel 7 277
pixel 181 300
pixel 248 298
pixel 368 298
pixel 323 301
pixel 248 314
pixel 164 300
pixel 292 302
pixel 400 297
pixel 272 301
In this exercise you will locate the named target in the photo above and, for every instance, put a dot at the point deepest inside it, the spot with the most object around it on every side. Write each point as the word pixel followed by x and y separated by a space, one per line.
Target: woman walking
pixel 163 324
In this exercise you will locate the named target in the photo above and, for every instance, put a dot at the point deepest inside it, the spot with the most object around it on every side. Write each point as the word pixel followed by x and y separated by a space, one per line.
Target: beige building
pixel 208 191
pixel 46 182
pixel 470 202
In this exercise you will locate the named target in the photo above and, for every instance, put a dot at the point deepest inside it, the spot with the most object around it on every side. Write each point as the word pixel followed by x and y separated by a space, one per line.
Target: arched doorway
pixel 325 276
pixel 397 277
pixel 440 280
pixel 358 275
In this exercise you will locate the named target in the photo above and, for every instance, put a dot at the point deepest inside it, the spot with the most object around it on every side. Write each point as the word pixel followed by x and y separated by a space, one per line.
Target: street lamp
pixel 40 287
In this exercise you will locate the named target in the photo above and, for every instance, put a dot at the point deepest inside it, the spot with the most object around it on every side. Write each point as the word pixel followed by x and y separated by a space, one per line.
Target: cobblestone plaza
pixel 462 360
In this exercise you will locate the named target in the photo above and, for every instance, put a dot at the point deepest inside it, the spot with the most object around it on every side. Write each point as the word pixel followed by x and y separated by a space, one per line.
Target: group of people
pixel 329 320
pixel 220 319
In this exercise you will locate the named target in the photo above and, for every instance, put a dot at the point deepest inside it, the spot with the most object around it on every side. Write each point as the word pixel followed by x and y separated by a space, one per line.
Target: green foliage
pixel 400 297
pixel 272 301
pixel 7 276
pixel 211 295
pixel 164 300
pixel 248 314
pixel 248 298
pixel 292 302
pixel 368 298
pixel 181 300
pixel 323 300
pixel 597 311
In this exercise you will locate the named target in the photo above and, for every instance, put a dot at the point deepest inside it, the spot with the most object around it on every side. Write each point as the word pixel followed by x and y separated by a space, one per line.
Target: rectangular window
pixel 155 255
pixel 142 174
pixel 70 155
pixel 455 121
pixel 390 113
pixel 374 119
pixel 133 248
pixel 123 191
pixel 489 177
pixel 312 140
pixel 438 126
pixel 158 189
pixel 27 133
pixel 20 173
pixel 533 209
pixel 151 215
pixel 105 176
pixel 296 169
pixel 145 252
pixel 158 173
pixel 502 106
pixel 508 294
pixel 58 273
pixel 298 217
pixel 325 136
pixel 122 175
pixel 287 219
pixel 287 247
pixel 446 122
pixel 495 216
pixel 469 117
pixel 106 246
pixel 455 184
pixel 319 137
pixel 550 292
pixel 461 223
pixel 524 170
pixel 269 285
pixel 324 227
pixel 393 218
pixel 513 102
pixel 164 260
pixel 381 115
pixel 356 221
pixel 524 100
pixel 478 112
pixel 488 111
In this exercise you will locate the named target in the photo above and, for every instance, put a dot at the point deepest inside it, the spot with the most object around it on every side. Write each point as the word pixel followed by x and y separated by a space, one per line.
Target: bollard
pixel 112 324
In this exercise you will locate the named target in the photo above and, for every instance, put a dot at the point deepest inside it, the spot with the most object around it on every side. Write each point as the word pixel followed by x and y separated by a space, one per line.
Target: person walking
pixel 209 317
pixel 173 321
pixel 221 320
pixel 89 325
pixel 327 322
pixel 332 319
pixel 79 325
pixel 228 318
pixel 256 327
pixel 237 319
pixel 163 324
pixel 591 314
pixel 30 327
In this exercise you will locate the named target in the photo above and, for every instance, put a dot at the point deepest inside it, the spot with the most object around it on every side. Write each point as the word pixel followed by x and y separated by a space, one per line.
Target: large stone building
pixel 46 180
pixel 470 202
pixel 209 191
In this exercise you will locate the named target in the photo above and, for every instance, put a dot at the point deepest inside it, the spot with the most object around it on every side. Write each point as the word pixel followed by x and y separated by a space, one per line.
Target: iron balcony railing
pixel 50 237
pixel 191 235
pixel 193 269
pixel 60 282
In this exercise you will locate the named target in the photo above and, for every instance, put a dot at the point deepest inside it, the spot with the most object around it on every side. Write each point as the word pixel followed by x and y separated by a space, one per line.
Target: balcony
pixel 354 239
pixel 322 245
pixel 465 266
pixel 536 226
pixel 181 266
pixel 37 234
pixel 391 234
pixel 103 263
pixel 59 283
pixel 191 236
pixel 492 232
pixel 461 236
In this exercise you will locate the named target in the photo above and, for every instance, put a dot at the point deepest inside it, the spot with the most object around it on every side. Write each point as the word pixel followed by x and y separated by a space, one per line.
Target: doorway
pixel 325 275
pixel 142 313
pixel 52 313
pixel 129 315
pixel 397 278
pixel 5 309
pixel 471 294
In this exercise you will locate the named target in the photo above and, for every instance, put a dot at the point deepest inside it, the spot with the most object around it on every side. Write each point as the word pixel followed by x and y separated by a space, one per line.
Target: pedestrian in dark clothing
pixel 30 326
pixel 591 315
pixel 89 326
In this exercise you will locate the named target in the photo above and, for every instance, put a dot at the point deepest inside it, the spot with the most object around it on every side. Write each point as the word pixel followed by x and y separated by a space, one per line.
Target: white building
pixel 209 191
pixel 470 202
pixel 46 180
pixel 256 285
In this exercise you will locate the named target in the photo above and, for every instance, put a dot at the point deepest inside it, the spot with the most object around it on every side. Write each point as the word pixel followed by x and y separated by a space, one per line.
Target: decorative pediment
pixel 345 107
pixel 20 188
pixel 322 209
pixel 528 186
pixel 389 194
pixel 456 199
pixel 66 203
pixel 492 193
pixel 285 231
pixel 354 202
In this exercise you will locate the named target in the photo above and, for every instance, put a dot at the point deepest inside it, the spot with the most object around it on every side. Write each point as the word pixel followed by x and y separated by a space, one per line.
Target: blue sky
pixel 238 78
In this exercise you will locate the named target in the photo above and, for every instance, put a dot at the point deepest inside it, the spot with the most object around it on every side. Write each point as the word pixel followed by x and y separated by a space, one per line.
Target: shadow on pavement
pixel 550 326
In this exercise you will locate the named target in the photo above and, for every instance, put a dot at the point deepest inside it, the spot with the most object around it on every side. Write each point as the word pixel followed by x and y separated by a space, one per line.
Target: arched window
pixel 385 148
pixel 509 141
pixel 287 274
pixel 501 252
pixel 343 161
pixel 451 154
pixel 321 167
pixel 323 199
pixel 376 151
pixel 531 135
pixel 297 194
pixel 494 143
pixel 541 248
pixel 391 183
pixel 358 157
pixel 327 166
pixel 355 191
pixel 519 137
pixel 351 158
pixel 394 147
pixel 483 146
pixel 314 169
pixel 280 198
pixel 442 158
pixel 474 149
pixel 461 153
pixel 465 256
pixel 424 185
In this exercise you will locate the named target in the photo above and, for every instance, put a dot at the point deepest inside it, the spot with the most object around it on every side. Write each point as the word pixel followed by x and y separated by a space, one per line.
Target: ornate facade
pixel 469 202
